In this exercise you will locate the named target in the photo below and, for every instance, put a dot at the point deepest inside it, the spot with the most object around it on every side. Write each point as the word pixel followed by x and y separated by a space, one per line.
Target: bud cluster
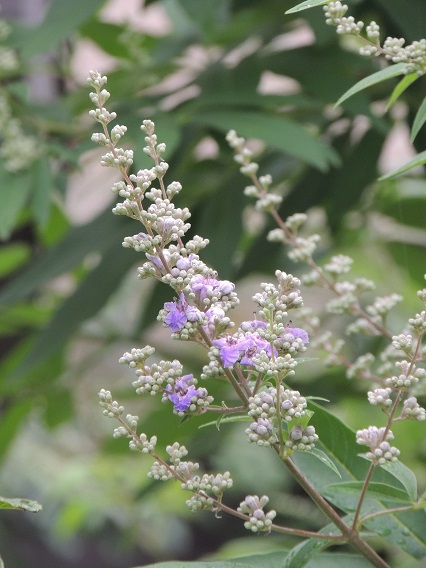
pixel 259 520
pixel 377 441
pixel 413 55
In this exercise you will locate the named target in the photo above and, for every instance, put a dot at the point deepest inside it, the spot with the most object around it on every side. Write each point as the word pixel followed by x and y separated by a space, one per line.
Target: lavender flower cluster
pixel 260 355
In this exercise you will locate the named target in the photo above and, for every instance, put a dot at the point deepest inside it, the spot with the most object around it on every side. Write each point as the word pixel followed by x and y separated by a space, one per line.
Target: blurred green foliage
pixel 70 301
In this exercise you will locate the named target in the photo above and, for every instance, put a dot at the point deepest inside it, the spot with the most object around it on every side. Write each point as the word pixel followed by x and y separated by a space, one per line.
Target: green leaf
pixel 379 491
pixel 272 560
pixel 205 564
pixel 62 20
pixel 88 299
pixel 20 504
pixel 14 191
pixel 306 5
pixel 400 88
pixel 225 420
pixel 404 475
pixel 382 75
pixel 42 189
pixel 322 456
pixel 418 160
pixel 419 120
pixel 12 256
pixel 11 421
pixel 207 17
pixel 106 36
pixel 276 131
pixel 301 554
pixel 66 255
pixel 338 442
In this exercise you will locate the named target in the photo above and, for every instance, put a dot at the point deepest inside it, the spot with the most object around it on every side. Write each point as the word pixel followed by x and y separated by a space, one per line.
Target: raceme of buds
pixel 377 441
pixel 259 520
pixel 260 354
pixel 413 55
pixel 301 439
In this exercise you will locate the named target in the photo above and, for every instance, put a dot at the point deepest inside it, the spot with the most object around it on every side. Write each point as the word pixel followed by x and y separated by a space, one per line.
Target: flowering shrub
pixel 259 360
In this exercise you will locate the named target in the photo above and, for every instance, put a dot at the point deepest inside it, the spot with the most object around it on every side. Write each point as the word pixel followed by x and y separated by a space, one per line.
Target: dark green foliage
pixel 312 151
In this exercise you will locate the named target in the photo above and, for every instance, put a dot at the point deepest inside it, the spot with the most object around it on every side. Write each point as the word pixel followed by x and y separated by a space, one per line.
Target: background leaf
pixel 305 5
pixel 401 87
pixel 378 77
pixel 19 504
pixel 418 160
pixel 419 120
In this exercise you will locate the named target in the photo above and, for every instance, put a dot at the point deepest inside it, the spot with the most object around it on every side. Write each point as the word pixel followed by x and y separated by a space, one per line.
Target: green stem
pixel 362 495
pixel 240 392
pixel 351 536
pixel 382 513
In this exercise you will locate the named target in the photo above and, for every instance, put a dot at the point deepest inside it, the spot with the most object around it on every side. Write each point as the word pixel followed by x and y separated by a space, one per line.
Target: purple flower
pixel 242 349
pixel 230 349
pixel 226 287
pixel 179 312
pixel 252 325
pixel 185 262
pixel 182 393
pixel 298 332
pixel 256 346
pixel 156 260
pixel 204 286
pixel 176 318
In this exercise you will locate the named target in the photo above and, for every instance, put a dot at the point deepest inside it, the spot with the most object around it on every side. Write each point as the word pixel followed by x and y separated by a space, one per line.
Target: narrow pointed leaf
pixel 404 475
pixel 380 491
pixel 400 88
pixel 86 301
pixel 20 504
pixel 302 553
pixel 339 443
pixel 97 235
pixel 270 560
pixel 15 189
pixel 418 160
pixel 226 420
pixel 382 75
pixel 61 21
pixel 306 5
pixel 419 120
pixel 322 456
pixel 276 131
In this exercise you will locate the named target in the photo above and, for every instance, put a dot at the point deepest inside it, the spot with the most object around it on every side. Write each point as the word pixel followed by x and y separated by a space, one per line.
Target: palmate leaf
pixel 306 5
pixel 338 442
pixel 379 77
